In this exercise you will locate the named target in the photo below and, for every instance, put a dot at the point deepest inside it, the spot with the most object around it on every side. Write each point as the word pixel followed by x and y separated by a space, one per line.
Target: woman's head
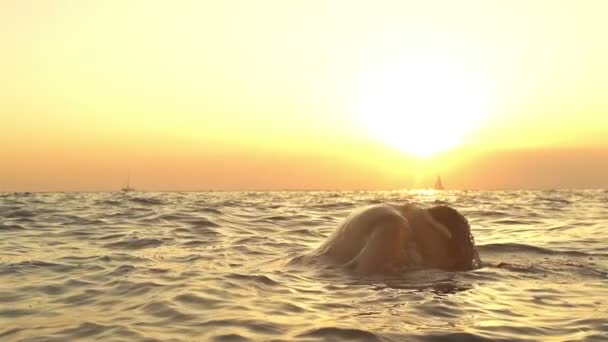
pixel 453 251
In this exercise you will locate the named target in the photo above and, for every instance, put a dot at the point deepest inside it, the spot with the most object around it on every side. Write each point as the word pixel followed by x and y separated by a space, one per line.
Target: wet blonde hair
pixel 461 248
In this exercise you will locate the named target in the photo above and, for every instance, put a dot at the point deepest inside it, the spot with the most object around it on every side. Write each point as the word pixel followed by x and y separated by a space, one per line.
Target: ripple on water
pixel 111 236
pixel 166 311
pixel 333 333
pixel 459 336
pixel 9 332
pixel 128 288
pixel 90 330
pixel 195 243
pixel 215 211
pixel 20 213
pixel 122 270
pixel 53 290
pixel 253 325
pixel 146 201
pixel 85 297
pixel 9 227
pixel 135 243
pixel 199 302
pixel 33 266
pixel 231 338
pixel 201 222
pixel 13 313
pixel 258 279
pixel 87 267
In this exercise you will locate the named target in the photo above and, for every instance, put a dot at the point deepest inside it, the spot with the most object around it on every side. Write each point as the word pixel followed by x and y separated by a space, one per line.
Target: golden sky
pixel 196 95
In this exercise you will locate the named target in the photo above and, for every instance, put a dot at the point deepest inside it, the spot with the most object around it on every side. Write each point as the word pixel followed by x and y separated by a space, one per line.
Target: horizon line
pixel 304 190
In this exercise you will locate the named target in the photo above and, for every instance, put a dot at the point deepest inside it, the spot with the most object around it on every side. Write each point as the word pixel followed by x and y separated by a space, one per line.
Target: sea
pixel 223 266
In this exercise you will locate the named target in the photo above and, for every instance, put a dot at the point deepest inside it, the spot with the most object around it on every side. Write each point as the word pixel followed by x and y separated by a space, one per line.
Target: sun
pixel 420 106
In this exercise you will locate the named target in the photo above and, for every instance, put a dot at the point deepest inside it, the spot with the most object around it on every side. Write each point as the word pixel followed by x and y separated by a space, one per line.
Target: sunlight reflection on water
pixel 198 266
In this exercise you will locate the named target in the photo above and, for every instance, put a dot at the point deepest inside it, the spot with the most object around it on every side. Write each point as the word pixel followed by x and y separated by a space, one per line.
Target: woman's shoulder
pixel 366 219
pixel 382 211
pixel 379 210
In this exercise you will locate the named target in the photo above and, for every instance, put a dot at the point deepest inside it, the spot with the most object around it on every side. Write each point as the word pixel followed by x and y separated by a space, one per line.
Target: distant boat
pixel 128 188
pixel 438 184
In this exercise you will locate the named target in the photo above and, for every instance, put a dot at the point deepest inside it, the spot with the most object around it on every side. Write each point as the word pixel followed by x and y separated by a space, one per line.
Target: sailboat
pixel 128 188
pixel 438 184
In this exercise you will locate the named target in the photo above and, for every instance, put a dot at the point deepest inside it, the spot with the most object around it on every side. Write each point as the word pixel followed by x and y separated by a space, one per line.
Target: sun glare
pixel 420 107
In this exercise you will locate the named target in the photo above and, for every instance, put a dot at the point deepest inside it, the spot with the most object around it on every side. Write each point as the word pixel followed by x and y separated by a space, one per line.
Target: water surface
pixel 218 266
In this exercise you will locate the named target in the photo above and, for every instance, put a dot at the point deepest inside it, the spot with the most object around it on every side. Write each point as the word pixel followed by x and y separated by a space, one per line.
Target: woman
pixel 388 238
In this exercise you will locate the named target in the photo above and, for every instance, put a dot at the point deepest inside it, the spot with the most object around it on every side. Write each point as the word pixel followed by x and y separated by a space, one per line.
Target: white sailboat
pixel 128 188
pixel 438 184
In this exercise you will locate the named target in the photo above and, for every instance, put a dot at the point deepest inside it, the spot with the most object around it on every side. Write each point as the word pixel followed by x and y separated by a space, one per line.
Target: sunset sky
pixel 228 95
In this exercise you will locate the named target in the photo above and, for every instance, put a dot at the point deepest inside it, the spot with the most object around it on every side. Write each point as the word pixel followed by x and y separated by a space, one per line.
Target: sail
pixel 439 184
pixel 128 188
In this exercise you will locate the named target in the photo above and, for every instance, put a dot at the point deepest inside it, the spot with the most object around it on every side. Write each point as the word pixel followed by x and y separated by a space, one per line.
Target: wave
pixel 334 333
pixel 459 336
pixel 35 265
pixel 554 200
pixel 255 326
pixel 135 243
pixel 233 266
pixel 259 279
pixel 7 227
pixel 20 213
pixel 524 248
pixel 146 200
pixel 166 311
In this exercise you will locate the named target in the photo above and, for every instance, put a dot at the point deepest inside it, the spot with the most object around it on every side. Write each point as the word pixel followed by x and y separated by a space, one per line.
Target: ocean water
pixel 222 266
